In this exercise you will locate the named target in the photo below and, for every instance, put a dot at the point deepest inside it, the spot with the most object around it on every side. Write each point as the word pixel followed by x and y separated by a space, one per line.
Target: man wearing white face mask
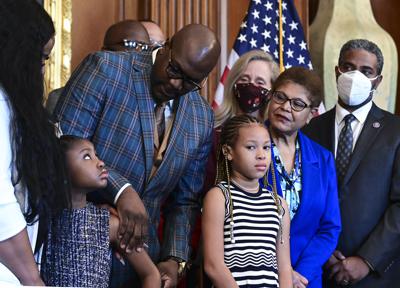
pixel 366 142
pixel 355 88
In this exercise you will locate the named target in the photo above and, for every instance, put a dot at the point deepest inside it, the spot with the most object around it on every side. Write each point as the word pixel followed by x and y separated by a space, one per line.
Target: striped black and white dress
pixel 251 254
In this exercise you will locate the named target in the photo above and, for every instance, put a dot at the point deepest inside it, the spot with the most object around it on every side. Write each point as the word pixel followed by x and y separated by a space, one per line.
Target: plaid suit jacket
pixel 108 101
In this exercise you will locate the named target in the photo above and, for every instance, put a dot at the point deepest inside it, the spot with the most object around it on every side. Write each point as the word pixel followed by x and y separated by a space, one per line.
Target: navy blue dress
pixel 78 253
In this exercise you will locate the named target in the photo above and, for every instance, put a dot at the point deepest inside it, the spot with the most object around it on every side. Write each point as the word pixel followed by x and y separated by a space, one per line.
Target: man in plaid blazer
pixel 110 99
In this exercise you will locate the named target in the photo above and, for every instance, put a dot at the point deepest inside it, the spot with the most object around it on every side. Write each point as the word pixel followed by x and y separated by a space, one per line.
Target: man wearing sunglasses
pixel 125 36
pixel 366 143
pixel 112 99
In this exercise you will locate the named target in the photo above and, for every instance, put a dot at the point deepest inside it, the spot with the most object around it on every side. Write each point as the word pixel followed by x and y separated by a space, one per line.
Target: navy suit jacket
pixel 315 228
pixel 369 196
pixel 108 100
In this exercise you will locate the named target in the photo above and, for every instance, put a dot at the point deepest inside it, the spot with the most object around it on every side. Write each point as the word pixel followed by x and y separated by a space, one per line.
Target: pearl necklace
pixel 250 190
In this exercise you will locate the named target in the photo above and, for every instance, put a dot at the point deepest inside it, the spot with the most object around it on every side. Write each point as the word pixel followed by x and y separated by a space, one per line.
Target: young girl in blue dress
pixel 245 227
pixel 78 252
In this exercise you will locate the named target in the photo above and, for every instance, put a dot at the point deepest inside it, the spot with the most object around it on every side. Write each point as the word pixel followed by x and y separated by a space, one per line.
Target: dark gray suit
pixel 369 197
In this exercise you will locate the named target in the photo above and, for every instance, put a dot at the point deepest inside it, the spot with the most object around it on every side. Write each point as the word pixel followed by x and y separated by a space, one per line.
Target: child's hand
pixel 112 210
pixel 169 273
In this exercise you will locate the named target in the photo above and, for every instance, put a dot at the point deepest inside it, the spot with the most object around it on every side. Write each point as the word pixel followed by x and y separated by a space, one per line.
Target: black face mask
pixel 250 97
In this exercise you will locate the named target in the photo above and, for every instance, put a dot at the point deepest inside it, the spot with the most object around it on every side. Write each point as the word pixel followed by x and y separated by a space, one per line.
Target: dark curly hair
pixel 308 79
pixel 25 28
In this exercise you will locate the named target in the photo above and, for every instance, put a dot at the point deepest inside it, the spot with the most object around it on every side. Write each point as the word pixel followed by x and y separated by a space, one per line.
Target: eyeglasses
pixel 129 45
pixel 138 45
pixel 174 72
pixel 296 103
pixel 156 44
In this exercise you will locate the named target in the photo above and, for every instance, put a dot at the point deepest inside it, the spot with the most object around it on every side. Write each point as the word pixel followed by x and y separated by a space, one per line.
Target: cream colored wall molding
pixel 338 21
pixel 58 69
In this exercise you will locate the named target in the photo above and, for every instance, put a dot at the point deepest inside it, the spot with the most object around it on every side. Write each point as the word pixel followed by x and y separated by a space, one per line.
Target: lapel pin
pixel 376 124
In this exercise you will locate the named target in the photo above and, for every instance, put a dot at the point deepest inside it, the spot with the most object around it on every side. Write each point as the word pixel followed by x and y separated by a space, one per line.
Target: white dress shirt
pixel 360 114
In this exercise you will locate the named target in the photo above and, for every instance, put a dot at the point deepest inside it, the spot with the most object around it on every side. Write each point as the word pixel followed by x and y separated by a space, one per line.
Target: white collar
pixel 154 54
pixel 360 114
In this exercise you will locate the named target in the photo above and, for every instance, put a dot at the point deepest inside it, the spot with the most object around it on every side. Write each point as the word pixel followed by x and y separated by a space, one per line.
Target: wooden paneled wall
pixel 387 15
pixel 90 20
pixel 174 14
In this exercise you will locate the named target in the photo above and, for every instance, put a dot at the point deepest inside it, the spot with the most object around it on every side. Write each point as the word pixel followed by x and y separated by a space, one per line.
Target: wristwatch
pixel 182 265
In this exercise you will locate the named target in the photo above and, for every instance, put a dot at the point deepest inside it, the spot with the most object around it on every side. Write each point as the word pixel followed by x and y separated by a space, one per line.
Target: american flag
pixel 261 29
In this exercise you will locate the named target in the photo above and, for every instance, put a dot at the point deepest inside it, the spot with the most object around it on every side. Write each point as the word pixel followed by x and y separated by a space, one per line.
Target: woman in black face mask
pixel 245 89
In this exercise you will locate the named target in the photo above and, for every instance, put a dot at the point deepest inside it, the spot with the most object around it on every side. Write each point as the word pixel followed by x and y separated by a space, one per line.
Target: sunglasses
pixel 175 72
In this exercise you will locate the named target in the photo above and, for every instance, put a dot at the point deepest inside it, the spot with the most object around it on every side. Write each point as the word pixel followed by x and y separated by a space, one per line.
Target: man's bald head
pixel 157 37
pixel 198 45
pixel 119 35
pixel 183 63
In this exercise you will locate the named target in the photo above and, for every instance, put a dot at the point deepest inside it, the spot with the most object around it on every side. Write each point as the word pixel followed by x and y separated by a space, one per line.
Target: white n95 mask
pixel 354 87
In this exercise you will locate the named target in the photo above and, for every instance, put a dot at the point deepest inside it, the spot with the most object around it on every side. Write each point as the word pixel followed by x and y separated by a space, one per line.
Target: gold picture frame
pixel 58 69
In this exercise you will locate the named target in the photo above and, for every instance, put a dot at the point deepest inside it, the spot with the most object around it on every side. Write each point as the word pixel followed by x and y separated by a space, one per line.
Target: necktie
pixel 345 147
pixel 160 121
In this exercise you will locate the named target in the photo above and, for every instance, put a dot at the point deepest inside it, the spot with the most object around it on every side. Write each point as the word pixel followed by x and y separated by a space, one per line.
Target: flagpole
pixel 223 33
pixel 281 66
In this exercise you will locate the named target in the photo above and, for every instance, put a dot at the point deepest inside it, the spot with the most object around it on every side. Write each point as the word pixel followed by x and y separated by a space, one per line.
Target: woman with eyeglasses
pixel 303 172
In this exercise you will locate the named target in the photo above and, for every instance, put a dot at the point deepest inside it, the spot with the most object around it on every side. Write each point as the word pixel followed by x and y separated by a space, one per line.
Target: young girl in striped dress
pixel 245 227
